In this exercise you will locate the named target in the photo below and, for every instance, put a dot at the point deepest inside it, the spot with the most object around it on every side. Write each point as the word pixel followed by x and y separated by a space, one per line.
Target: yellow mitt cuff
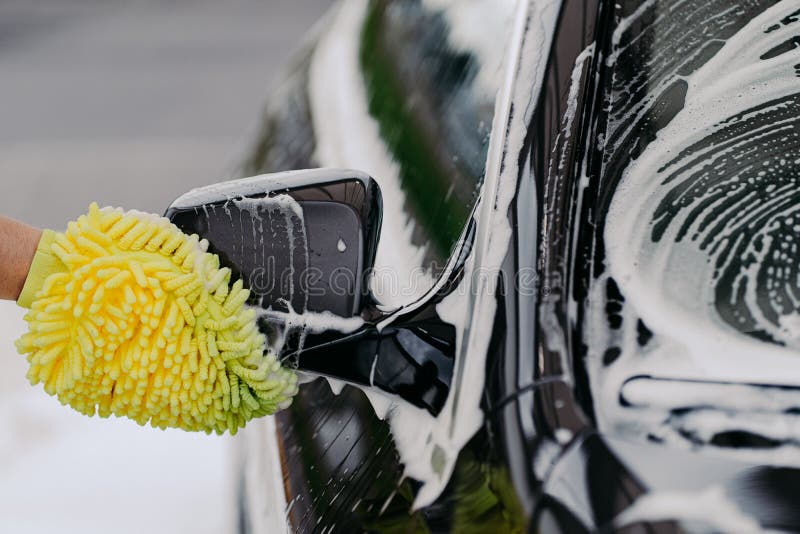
pixel 45 263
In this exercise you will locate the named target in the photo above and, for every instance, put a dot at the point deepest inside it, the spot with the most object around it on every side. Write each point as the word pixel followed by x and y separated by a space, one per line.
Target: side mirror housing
pixel 301 241
pixel 304 242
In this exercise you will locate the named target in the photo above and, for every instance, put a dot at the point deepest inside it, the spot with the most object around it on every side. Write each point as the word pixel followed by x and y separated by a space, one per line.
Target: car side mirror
pixel 304 243
pixel 301 241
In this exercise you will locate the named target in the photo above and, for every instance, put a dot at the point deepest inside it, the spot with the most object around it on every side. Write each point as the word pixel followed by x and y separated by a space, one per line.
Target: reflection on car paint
pixel 361 148
pixel 428 446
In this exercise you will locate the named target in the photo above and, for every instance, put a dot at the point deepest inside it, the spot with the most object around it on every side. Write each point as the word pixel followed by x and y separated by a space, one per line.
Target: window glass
pixel 431 70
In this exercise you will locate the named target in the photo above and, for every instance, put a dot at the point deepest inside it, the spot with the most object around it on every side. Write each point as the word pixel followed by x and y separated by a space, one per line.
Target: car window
pixel 431 77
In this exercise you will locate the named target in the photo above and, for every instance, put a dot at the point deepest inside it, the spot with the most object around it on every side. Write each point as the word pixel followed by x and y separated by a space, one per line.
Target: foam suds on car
pixel 701 242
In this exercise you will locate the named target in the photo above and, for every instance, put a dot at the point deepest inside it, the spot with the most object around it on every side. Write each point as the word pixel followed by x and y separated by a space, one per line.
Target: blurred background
pixel 128 103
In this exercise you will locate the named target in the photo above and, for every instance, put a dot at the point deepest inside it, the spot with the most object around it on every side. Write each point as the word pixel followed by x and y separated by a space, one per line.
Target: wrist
pixel 18 244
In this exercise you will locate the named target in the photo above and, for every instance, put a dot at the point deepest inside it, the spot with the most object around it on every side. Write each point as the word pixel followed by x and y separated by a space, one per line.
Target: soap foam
pixel 670 271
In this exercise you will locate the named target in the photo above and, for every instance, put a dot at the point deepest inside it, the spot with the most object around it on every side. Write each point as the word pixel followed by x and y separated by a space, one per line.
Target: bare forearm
pixel 17 247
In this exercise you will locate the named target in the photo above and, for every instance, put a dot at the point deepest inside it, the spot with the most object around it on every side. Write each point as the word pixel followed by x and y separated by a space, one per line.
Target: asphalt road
pixel 128 103
pixel 131 102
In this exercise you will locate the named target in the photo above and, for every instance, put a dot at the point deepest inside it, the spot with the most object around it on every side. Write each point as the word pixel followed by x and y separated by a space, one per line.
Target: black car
pixel 588 270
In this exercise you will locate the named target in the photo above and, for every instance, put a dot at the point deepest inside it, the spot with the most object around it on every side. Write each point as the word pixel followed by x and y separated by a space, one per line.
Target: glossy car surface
pixel 607 192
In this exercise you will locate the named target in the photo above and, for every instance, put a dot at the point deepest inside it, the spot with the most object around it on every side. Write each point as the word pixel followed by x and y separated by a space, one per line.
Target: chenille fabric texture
pixel 131 317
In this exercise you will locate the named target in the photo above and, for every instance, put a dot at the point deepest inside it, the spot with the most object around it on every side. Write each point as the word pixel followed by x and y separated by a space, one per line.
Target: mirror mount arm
pixel 411 358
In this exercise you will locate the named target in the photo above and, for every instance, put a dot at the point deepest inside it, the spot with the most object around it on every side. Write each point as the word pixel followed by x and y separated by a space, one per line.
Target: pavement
pixel 128 103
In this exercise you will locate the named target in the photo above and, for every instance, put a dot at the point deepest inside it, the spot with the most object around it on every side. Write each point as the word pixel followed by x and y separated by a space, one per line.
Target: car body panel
pixel 345 445
pixel 546 455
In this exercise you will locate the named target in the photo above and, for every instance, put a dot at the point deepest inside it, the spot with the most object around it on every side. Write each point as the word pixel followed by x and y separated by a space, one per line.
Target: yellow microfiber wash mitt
pixel 129 316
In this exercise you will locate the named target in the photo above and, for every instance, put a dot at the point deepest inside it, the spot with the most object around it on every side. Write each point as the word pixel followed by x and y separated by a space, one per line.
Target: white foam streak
pixel 312 322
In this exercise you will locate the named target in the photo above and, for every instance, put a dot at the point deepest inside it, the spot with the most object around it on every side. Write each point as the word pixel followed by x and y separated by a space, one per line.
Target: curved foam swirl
pixel 718 189
pixel 736 196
